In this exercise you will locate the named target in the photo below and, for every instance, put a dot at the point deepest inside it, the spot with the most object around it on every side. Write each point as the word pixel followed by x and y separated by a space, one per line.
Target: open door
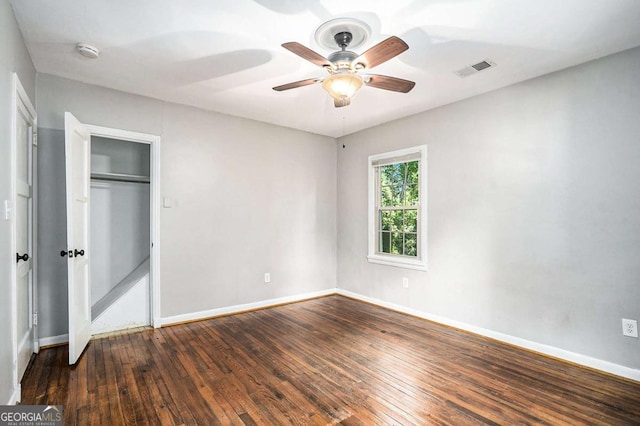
pixel 78 175
pixel 23 164
pixel 24 243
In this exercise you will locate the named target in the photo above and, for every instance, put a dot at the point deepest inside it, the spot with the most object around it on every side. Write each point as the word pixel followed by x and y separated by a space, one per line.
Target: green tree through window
pixel 397 208
pixel 397 201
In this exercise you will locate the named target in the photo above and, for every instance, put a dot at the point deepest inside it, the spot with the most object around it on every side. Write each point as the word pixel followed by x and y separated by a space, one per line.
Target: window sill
pixel 417 265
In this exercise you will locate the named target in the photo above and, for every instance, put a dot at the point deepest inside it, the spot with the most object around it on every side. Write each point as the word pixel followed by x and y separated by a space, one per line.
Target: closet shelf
pixel 120 177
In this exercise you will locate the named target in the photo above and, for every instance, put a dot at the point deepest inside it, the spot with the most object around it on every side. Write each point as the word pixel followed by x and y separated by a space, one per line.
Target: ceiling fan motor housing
pixel 342 58
pixel 343 39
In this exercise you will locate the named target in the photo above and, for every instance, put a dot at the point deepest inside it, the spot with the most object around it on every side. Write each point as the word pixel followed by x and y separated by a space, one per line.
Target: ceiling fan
pixel 344 68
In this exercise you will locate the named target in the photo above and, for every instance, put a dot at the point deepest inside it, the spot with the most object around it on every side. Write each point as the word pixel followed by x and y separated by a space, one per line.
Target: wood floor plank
pixel 331 360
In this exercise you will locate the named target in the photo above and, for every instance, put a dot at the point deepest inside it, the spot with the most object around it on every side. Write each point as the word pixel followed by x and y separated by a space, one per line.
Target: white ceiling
pixel 225 55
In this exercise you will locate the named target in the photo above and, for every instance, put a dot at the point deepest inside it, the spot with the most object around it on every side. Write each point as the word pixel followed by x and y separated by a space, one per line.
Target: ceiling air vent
pixel 472 69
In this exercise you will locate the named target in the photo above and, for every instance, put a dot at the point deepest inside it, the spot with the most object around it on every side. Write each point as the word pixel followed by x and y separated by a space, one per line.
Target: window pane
pixel 410 221
pixel 391 196
pixel 412 195
pixel 386 196
pixel 393 174
pixel 396 224
pixel 410 245
pixel 391 220
pixel 385 220
pixel 396 243
pixel 412 172
pixel 385 242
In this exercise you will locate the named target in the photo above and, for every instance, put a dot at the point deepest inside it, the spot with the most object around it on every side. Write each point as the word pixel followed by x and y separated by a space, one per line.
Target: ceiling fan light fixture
pixel 342 85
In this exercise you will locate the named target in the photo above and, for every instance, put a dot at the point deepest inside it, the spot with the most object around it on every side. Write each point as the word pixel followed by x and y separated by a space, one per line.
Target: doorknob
pixel 77 252
pixel 24 257
pixel 63 253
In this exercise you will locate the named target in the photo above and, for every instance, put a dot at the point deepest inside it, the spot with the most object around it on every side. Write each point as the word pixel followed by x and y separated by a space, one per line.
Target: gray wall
pixel 120 213
pixel 117 156
pixel 249 198
pixel 533 206
pixel 13 58
pixel 52 235
pixel 120 223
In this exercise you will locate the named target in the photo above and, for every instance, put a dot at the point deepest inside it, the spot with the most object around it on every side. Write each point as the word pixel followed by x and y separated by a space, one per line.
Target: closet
pixel 120 234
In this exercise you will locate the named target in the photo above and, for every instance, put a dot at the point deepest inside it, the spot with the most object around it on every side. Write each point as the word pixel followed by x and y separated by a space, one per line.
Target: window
pixel 397 208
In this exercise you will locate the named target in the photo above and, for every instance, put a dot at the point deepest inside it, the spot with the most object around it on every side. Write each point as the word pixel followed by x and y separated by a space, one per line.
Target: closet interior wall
pixel 120 217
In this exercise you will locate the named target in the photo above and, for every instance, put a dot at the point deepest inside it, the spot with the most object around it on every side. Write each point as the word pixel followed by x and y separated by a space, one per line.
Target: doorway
pixel 121 172
pixel 120 234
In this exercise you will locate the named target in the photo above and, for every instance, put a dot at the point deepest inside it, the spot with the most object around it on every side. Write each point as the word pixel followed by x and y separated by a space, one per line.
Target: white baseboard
pixel 552 351
pixel 194 316
pixel 16 396
pixel 576 358
pixel 228 310
pixel 53 340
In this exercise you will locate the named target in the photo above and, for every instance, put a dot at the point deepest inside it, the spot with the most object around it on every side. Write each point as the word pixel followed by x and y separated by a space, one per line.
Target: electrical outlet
pixel 405 282
pixel 629 327
pixel 267 277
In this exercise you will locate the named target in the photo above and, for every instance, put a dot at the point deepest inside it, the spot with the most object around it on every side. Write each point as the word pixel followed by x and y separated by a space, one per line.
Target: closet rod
pixel 119 177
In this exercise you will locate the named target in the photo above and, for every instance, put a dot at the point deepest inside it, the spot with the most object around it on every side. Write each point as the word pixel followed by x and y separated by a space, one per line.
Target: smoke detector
pixel 87 50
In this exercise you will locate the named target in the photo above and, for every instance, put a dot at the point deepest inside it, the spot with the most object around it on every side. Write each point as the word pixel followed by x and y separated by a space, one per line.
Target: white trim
pixel 400 262
pixel 154 142
pixel 229 310
pixel 34 232
pixel 15 396
pixel 127 135
pixel 576 358
pixel 54 340
pixel 373 256
pixel 236 309
pixel 155 236
pixel 15 385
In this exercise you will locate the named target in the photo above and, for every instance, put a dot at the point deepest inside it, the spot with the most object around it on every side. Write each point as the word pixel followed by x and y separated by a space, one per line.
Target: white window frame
pixel 418 262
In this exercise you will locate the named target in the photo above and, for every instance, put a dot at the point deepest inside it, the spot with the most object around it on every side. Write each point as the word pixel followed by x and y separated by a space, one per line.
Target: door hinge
pixel 8 210
pixel 34 139
pixel 35 319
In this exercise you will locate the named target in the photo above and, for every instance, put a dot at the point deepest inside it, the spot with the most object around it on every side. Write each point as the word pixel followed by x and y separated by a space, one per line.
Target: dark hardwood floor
pixel 331 360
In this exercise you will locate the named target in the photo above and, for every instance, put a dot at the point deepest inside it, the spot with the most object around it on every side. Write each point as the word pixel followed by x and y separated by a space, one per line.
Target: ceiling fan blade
pixel 382 52
pixel 342 102
pixel 390 83
pixel 306 53
pixel 295 84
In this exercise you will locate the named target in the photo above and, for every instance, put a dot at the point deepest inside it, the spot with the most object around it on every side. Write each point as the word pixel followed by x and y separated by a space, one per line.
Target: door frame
pixel 20 100
pixel 154 142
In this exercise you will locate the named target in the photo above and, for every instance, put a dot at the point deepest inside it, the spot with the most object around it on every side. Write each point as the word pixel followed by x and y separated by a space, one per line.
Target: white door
pixel 24 130
pixel 78 176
